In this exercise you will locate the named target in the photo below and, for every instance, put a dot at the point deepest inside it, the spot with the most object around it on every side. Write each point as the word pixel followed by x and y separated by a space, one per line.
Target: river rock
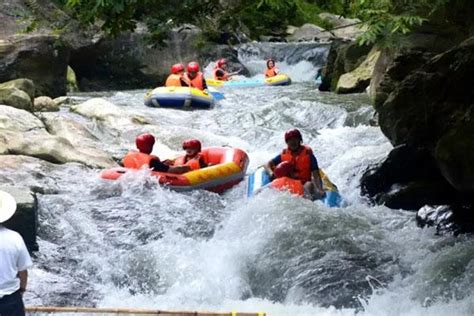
pixel 25 85
pixel 17 120
pixel 446 219
pixel 54 149
pixel 342 58
pixel 358 79
pixel 45 104
pixel 25 219
pixel 15 98
pixel 108 112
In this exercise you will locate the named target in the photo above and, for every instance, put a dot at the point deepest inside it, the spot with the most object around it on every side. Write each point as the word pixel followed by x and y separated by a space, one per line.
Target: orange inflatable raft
pixel 227 168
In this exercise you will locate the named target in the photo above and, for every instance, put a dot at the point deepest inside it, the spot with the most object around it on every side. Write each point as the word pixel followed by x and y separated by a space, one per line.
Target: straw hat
pixel 7 206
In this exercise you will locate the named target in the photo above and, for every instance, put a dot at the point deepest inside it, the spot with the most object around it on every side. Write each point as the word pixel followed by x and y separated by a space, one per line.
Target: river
pixel 132 243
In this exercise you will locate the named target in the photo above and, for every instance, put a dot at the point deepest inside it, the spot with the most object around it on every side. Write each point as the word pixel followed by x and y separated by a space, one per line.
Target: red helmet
pixel 193 67
pixel 293 133
pixel 284 169
pixel 192 144
pixel 221 62
pixel 145 143
pixel 177 68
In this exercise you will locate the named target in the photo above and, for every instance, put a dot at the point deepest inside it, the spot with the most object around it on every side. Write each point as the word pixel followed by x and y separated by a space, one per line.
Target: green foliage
pixel 388 20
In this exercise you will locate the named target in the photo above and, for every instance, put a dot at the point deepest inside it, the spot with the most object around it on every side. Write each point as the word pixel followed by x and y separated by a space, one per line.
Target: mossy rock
pixel 16 98
pixel 26 85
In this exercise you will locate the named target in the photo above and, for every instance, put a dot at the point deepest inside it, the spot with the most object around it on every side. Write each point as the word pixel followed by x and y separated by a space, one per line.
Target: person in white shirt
pixel 14 262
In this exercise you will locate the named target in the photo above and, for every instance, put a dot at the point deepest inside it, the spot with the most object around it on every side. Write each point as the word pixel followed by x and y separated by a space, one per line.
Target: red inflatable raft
pixel 228 167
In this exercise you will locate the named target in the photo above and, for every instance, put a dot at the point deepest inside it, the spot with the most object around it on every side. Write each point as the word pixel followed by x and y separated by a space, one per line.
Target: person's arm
pixel 204 84
pixel 202 163
pixel 316 178
pixel 271 164
pixel 23 275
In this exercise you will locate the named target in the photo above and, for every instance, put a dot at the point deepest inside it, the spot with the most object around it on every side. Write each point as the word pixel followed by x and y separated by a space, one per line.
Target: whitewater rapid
pixel 134 244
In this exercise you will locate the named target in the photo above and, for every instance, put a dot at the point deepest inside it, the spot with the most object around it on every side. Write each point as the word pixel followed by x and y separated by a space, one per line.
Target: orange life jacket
pixel 293 186
pixel 136 160
pixel 225 77
pixel 272 72
pixel 301 161
pixel 193 163
pixel 197 82
pixel 173 80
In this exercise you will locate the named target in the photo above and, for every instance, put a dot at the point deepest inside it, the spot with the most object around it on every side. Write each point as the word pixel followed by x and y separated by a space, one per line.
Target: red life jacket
pixel 136 160
pixel 193 163
pixel 173 80
pixel 225 77
pixel 197 82
pixel 293 186
pixel 272 72
pixel 301 161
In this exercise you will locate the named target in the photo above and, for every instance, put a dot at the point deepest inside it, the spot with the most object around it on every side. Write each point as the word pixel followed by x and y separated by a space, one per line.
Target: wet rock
pixel 15 98
pixel 358 79
pixel 44 104
pixel 447 219
pixel 103 110
pixel 17 120
pixel 407 179
pixel 24 134
pixel 54 149
pixel 25 219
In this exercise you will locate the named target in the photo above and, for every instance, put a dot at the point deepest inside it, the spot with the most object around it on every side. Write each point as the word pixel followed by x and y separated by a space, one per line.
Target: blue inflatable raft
pixel 260 179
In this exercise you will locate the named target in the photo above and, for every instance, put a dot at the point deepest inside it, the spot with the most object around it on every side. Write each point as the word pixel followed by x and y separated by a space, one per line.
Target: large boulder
pixel 25 219
pixel 18 120
pixel 45 104
pixel 16 98
pixel 25 85
pixel 342 58
pixel 358 79
pixel 55 149
pixel 24 134
pixel 430 109
pixel 39 57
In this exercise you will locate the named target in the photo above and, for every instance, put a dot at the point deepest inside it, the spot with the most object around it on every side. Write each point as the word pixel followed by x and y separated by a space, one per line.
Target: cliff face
pixel 428 117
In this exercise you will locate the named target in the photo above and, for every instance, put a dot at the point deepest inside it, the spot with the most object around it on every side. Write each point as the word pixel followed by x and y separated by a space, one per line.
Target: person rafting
pixel 193 157
pixel 176 78
pixel 285 179
pixel 195 77
pixel 271 70
pixel 221 70
pixel 306 167
pixel 143 157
